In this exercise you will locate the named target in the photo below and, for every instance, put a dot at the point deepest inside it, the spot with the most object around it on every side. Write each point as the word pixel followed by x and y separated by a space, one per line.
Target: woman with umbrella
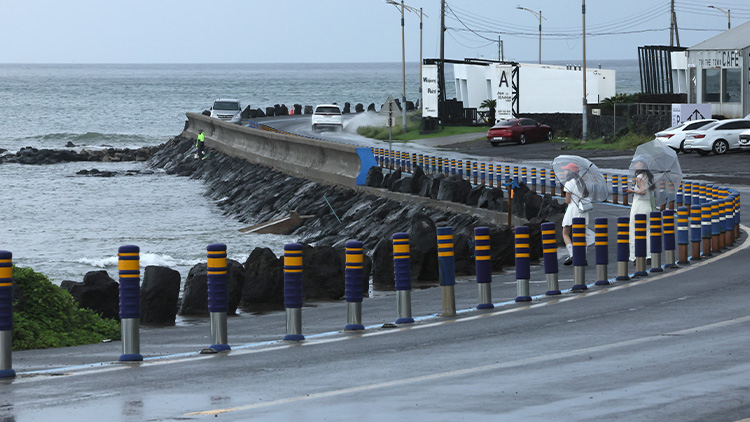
pixel 643 200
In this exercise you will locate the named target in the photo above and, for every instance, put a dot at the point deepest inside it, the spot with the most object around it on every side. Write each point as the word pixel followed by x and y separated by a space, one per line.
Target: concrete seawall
pixel 318 160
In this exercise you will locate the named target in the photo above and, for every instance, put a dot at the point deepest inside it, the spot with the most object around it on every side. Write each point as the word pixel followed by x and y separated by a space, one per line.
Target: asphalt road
pixel 672 346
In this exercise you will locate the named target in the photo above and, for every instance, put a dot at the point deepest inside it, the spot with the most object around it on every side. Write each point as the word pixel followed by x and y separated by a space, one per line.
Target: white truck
pixel 228 110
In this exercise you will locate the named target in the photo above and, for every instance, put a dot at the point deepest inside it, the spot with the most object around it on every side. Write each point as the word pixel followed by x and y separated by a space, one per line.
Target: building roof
pixel 736 38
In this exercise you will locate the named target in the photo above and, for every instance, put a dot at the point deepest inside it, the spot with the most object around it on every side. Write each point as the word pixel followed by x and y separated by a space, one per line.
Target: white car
pixel 717 137
pixel 327 116
pixel 227 109
pixel 745 139
pixel 674 137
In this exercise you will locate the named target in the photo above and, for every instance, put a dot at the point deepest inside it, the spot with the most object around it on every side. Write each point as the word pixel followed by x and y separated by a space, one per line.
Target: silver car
pixel 674 137
pixel 718 137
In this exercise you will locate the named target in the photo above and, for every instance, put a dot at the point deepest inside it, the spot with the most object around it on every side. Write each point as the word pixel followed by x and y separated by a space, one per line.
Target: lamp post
pixel 539 16
pixel 584 133
pixel 726 12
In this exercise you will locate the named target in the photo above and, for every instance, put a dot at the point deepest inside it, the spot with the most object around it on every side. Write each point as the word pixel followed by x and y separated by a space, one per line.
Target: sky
pixel 342 31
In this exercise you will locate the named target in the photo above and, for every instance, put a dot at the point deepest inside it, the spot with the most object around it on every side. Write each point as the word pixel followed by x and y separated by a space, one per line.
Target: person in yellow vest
pixel 200 143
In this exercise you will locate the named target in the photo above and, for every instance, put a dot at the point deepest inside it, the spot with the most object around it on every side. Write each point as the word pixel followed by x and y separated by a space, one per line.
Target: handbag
pixel 585 205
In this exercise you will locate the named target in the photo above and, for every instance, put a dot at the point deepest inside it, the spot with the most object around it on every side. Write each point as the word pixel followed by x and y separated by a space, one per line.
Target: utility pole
pixel 671 24
pixel 441 67
pixel 403 68
pixel 539 16
pixel 421 100
pixel 584 134
pixel 500 54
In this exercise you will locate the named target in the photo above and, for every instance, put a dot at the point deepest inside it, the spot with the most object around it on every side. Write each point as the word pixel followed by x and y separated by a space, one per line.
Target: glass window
pixel 732 85
pixel 693 85
pixel 696 125
pixel 711 85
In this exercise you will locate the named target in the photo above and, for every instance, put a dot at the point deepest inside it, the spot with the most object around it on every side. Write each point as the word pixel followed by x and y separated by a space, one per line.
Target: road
pixel 664 347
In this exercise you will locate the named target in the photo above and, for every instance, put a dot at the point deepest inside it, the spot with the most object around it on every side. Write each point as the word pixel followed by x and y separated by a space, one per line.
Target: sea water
pixel 65 225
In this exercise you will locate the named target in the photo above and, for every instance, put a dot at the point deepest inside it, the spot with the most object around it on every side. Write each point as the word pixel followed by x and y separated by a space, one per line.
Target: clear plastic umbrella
pixel 662 162
pixel 590 186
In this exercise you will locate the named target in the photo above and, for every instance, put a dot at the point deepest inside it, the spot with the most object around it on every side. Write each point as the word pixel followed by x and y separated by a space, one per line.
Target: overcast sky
pixel 294 31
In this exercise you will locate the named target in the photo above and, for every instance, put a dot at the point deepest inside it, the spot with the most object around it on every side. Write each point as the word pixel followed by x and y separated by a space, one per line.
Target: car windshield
pixel 226 105
pixel 327 110
pixel 506 123
pixel 681 125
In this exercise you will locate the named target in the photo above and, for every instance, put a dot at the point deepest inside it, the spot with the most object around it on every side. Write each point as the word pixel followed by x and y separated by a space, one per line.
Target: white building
pixel 540 88
pixel 716 71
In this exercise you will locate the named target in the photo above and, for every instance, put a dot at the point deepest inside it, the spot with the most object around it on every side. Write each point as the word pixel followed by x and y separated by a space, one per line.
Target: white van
pixel 228 110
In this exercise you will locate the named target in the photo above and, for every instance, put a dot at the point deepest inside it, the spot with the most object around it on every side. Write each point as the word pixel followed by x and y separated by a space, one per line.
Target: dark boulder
pixel 270 111
pixel 491 199
pixel 297 109
pixel 259 113
pixel 454 189
pixel 423 248
pixel 160 293
pixel 374 177
pixel 359 108
pixel 394 176
pixel 474 194
pixel 406 184
pixel 195 296
pixel 382 265
pixel 264 279
pixel 416 180
pixel 435 188
pixel 308 109
pixel 347 108
pixel 98 292
pixel 371 107
pixel 322 273
pixel 235 283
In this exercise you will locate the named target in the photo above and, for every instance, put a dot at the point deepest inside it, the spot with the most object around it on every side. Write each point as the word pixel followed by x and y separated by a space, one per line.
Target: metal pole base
pixel 683 254
pixel 131 342
pixel 696 251
pixel 601 275
pixel 522 288
pixel 219 340
pixel 294 325
pixel 715 246
pixel 640 266
pixel 449 301
pixel 485 296
pixel 656 263
pixel 669 261
pixel 579 278
pixel 707 247
pixel 403 303
pixel 553 285
pixel 354 317
pixel 6 357
pixel 622 271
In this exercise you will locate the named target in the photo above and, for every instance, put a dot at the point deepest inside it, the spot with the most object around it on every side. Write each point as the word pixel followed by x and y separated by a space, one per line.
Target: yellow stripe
pixel 579 243
pixel 485 237
pixel 640 237
pixel 130 276
pixel 522 236
pixel 445 254
pixel 445 237
pixel 602 243
pixel 6 284
pixel 6 272
pixel 545 241
pixel 354 259
pixel 128 265
pixel 293 260
pixel 548 232
pixel 5 261
pixel 550 250
pixel 401 248
pixel 128 254
pixel 522 255
pixel 292 271
pixel 217 262
pixel 483 258
pixel 622 241
pixel 600 226
pixel 522 245
pixel 354 249
pixel 216 272
pixel 483 248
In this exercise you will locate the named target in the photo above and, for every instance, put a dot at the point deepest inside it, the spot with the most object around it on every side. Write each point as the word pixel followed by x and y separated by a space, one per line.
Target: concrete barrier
pixel 312 159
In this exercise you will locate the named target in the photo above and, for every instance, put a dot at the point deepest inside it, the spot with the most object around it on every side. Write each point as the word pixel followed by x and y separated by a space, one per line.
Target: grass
pixel 412 131
pixel 628 141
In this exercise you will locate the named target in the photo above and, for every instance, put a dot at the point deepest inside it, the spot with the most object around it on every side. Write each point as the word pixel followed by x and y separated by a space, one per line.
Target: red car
pixel 518 130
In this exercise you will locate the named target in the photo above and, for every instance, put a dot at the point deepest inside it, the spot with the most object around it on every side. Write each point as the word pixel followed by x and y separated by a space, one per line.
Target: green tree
pixel 491 104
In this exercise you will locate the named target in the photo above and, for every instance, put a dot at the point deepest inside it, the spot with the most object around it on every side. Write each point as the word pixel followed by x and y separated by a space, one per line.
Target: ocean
pixel 65 225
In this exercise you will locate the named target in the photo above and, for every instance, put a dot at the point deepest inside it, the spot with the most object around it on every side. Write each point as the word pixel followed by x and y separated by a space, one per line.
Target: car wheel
pixel 682 148
pixel 702 153
pixel 720 147
pixel 522 139
pixel 549 135
pixel 494 144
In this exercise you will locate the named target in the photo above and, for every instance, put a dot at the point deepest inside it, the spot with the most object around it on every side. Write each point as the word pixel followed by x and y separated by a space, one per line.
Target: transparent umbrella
pixel 590 186
pixel 664 167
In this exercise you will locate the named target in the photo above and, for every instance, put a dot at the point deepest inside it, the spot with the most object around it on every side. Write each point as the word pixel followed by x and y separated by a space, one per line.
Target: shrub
pixel 45 316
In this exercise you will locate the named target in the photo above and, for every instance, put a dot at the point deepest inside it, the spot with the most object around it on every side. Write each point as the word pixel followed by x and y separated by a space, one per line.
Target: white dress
pixel 572 211
pixel 641 205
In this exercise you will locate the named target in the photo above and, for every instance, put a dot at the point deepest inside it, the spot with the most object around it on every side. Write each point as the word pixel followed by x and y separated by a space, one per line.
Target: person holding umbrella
pixel 575 188
pixel 643 200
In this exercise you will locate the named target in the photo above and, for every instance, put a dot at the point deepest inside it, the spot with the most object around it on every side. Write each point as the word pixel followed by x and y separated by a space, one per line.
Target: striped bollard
pixel 715 231
pixel 533 179
pixel 524 175
pixel 453 166
pixel 414 161
pixel 549 251
pixel 543 180
pixel 354 285
pixel 474 171
pixel 128 265
pixel 515 174
pixel 6 315
pixel 679 198
pixel 625 195
pixel 402 277
pixel 293 291
pixel 491 174
pixel 218 296
pixel 701 193
pixel 728 220
pixel 482 172
pixel 706 228
pixel 601 246
pixel 687 194
pixel 482 258
pixel 523 264
pixel 656 242
pixel 669 238
pixel 615 188
pixel 722 224
pixel 683 234
pixel 696 231
pixel 623 248
pixel 420 160
pixel 640 245
pixel 433 160
pixel 737 216
pixel 507 174
pixel 579 254
pixel 440 165
pixel 552 182
pixel 461 168
pixel 447 269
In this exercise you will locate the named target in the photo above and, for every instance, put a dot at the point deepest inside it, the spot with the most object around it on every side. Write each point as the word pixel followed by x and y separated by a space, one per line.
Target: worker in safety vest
pixel 200 143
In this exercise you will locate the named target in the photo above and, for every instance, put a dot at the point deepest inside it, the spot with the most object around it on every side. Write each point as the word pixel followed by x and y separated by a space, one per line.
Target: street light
pixel 403 55
pixel 726 12
pixel 539 16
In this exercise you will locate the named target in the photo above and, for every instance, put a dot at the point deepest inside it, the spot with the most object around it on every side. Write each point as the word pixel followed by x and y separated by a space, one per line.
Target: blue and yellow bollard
pixel 524 175
pixel 615 187
pixel 453 166
pixel 683 234
pixel 516 174
pixel 447 269
pixel 402 277
pixel 474 171
pixel 543 180
pixel 669 238
pixel 715 223
pixel 579 254
pixel 656 242
pixel 687 194
pixel 679 198
pixel 461 168
pixel 696 231
pixel 6 315
pixel 533 179
pixel 523 264
pixel 623 248
pixel 218 295
pixel 624 179
pixel 433 160
pixel 130 302
pixel 549 251
pixel 491 174
pixel 482 173
pixel 354 285
pixel 640 245
pixel 552 182
pixel 706 210
pixel 293 291
pixel 482 258
pixel 601 247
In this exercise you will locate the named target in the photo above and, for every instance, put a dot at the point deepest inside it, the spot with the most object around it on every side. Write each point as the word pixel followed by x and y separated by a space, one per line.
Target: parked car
pixel 745 140
pixel 717 137
pixel 518 130
pixel 228 110
pixel 327 116
pixel 674 137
